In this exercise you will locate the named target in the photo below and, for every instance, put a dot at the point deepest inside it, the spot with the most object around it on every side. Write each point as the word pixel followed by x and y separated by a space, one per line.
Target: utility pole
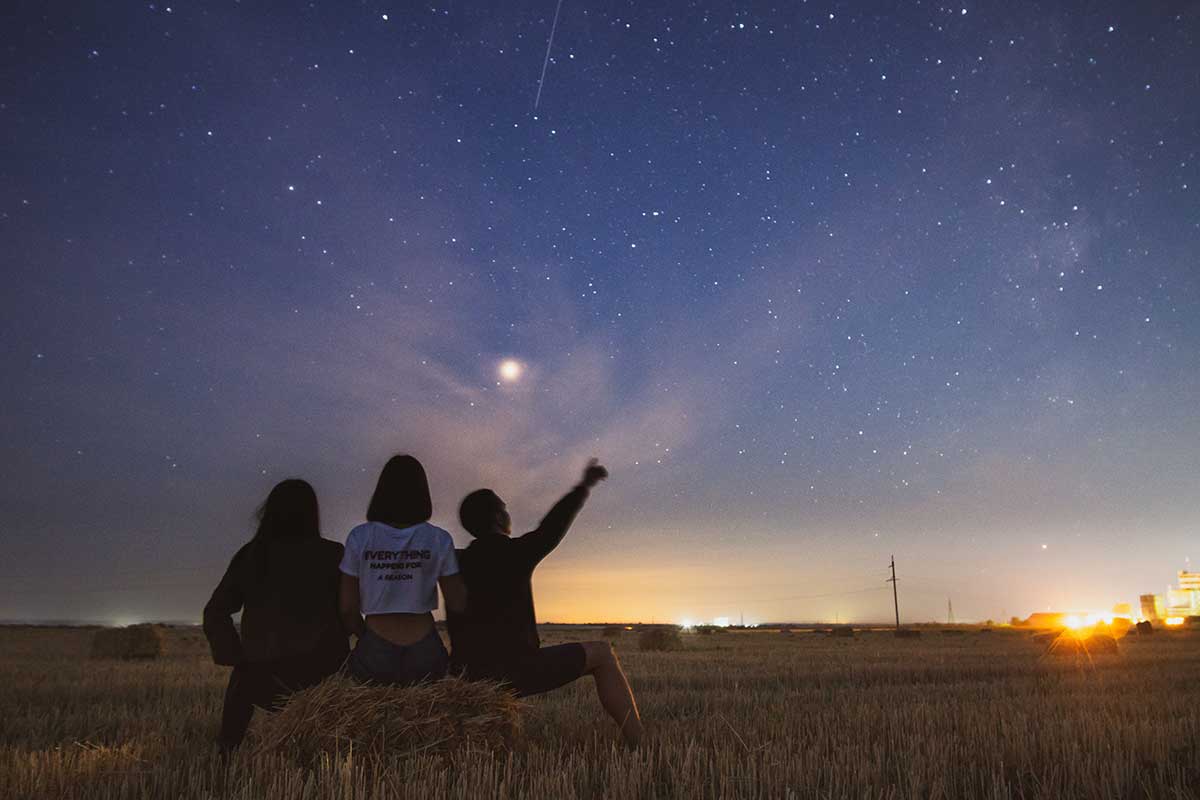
pixel 895 597
pixel 949 612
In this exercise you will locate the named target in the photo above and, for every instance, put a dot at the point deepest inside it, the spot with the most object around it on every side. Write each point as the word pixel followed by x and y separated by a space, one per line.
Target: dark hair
pixel 477 511
pixel 289 512
pixel 401 497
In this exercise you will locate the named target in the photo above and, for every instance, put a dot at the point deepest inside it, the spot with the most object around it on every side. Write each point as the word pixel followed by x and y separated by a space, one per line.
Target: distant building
pixel 1184 600
pixel 1152 606
pixel 1189 581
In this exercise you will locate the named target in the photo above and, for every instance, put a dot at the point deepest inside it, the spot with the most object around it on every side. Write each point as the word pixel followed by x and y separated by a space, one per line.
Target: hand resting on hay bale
pixel 388 722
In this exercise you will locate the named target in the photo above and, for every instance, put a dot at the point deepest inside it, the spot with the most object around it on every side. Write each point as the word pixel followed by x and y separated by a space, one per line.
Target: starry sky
pixel 820 282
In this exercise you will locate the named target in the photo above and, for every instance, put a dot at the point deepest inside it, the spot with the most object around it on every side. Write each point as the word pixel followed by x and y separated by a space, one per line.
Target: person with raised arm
pixel 497 638
pixel 391 571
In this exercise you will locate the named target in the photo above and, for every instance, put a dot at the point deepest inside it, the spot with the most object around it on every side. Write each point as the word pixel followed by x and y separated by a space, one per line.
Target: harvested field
pixel 745 714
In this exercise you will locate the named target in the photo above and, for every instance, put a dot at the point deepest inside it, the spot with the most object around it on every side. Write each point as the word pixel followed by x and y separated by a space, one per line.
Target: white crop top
pixel 398 568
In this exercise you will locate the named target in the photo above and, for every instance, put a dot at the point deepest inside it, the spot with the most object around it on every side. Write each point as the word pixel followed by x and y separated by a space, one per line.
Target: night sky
pixel 819 282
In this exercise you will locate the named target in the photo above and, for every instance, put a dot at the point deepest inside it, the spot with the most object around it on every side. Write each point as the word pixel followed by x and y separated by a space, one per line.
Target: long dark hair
pixel 290 512
pixel 401 497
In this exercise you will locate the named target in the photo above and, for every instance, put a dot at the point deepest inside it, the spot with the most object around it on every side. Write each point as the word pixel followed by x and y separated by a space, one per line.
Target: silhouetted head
pixel 482 513
pixel 289 512
pixel 401 497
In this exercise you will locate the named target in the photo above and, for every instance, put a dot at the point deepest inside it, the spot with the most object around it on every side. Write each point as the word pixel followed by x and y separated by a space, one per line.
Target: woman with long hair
pixel 391 570
pixel 285 583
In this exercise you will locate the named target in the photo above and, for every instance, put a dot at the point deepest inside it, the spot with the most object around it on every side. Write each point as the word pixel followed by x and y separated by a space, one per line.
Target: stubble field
pixel 737 714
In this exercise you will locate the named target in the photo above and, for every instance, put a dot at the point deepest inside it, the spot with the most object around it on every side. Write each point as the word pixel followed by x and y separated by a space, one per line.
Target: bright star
pixel 510 370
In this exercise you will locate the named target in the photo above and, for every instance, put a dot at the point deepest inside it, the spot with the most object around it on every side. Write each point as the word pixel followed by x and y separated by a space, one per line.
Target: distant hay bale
pixel 389 722
pixel 954 632
pixel 985 630
pixel 844 631
pixel 907 633
pixel 1144 628
pixel 665 637
pixel 1087 645
pixel 132 643
pixel 611 631
pixel 706 630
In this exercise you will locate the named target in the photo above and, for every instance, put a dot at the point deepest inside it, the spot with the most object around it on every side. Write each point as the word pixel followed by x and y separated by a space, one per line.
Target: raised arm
pixel 226 601
pixel 538 543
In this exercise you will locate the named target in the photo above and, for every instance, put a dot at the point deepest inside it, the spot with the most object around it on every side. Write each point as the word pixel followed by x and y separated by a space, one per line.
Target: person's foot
pixel 632 733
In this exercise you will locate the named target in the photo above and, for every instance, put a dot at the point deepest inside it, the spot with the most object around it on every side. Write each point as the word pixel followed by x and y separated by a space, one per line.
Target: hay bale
pixel 389 722
pixel 1144 628
pixel 907 633
pixel 953 632
pixel 706 630
pixel 135 642
pixel 844 631
pixel 665 637
pixel 611 631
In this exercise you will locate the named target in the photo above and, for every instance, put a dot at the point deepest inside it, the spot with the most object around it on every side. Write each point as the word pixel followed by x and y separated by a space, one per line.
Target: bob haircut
pixel 289 512
pixel 401 497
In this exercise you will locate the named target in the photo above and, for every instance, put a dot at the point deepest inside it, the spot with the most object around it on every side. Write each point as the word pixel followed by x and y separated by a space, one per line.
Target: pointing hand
pixel 593 474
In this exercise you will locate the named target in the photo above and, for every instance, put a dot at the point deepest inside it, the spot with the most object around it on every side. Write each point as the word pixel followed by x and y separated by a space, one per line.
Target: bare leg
pixel 613 689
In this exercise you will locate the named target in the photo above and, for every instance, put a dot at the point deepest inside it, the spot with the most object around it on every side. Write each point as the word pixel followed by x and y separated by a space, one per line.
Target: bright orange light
pixel 1073 622
pixel 1173 621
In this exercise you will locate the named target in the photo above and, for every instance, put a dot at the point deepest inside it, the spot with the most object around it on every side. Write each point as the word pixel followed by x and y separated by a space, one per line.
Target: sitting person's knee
pixel 598 654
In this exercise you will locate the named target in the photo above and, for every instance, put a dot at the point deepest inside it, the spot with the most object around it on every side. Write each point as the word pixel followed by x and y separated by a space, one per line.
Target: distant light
pixel 686 624
pixel 1173 621
pixel 721 622
pixel 510 370
pixel 1073 622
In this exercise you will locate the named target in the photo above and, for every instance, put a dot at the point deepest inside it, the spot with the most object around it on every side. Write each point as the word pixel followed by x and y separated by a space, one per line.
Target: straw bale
pixel 1144 628
pixel 665 637
pixel 340 715
pixel 908 633
pixel 129 643
pixel 842 631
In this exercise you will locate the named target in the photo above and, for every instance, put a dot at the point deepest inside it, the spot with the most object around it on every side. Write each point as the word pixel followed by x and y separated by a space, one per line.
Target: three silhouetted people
pixel 301 597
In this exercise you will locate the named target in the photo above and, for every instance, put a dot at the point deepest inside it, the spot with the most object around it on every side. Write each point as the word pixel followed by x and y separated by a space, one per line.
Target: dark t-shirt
pixel 499 625
pixel 287 591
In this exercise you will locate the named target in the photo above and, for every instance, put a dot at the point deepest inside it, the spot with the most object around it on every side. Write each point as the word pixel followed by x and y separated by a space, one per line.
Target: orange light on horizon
pixel 1173 621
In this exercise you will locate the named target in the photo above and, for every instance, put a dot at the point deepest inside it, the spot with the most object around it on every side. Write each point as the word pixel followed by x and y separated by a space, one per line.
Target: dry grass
pixel 339 716
pixel 132 642
pixel 744 714
pixel 1082 645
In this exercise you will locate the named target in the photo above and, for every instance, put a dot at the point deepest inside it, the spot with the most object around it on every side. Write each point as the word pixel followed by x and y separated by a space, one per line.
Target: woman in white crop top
pixel 391 571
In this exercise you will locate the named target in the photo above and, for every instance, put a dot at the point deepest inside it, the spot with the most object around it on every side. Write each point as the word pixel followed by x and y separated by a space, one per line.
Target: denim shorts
pixel 377 660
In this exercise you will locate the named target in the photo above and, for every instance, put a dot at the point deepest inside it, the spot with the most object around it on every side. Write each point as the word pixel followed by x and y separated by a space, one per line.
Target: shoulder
pixel 242 554
pixel 358 532
pixel 439 536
